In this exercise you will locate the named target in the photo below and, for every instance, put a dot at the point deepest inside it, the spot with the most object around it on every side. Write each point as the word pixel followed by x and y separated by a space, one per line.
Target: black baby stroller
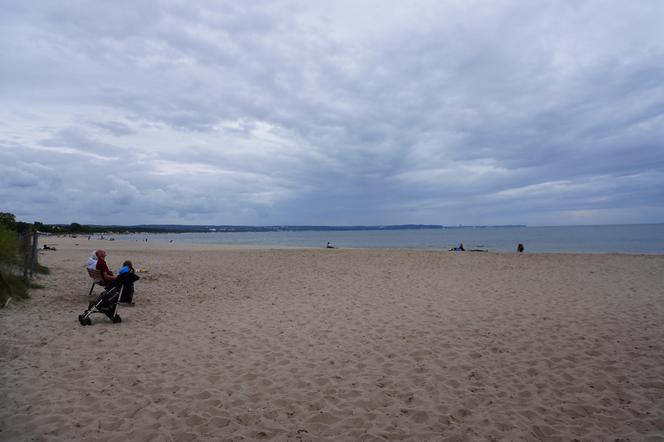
pixel 108 300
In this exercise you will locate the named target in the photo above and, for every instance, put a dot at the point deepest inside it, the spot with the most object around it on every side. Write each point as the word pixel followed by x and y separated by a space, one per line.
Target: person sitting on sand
pixel 520 248
pixel 329 246
pixel 458 249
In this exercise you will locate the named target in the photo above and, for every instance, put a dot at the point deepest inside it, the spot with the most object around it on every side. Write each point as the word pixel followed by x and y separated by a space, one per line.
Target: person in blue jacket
pixel 126 274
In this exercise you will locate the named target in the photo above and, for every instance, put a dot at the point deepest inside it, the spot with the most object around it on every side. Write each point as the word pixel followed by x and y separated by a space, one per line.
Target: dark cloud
pixel 338 113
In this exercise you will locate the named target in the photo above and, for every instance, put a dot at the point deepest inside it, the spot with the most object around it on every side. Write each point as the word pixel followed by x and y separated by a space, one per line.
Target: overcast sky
pixel 332 112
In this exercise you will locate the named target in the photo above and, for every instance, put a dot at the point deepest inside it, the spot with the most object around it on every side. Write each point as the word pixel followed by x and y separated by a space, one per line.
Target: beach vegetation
pixel 8 246
pixel 8 220
pixel 10 284
pixel 13 284
pixel 14 287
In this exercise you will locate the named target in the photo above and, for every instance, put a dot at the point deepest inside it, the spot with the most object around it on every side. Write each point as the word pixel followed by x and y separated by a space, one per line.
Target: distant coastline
pixel 177 228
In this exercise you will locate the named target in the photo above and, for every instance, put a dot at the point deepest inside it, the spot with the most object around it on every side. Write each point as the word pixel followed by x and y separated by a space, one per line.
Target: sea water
pixel 635 238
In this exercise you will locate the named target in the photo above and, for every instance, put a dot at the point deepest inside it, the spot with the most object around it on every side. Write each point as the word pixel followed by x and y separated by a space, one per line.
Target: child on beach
pixel 127 267
pixel 126 274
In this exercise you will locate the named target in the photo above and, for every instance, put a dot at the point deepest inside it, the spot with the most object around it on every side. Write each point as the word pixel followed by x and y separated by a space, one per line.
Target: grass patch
pixel 34 285
pixel 13 286
pixel 42 270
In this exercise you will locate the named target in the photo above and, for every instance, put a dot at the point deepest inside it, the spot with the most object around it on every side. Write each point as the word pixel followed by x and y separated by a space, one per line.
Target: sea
pixel 631 238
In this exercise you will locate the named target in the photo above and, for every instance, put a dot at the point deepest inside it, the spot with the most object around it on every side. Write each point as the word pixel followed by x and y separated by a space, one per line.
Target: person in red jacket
pixel 106 273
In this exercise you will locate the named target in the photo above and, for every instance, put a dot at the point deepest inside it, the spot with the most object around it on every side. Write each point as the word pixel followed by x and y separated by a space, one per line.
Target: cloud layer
pixel 300 112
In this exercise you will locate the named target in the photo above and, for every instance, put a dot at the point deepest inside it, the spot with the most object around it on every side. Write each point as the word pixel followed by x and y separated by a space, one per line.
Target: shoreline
pixel 219 246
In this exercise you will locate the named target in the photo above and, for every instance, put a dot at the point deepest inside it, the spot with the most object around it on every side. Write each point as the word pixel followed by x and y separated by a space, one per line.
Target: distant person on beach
pixel 458 249
pixel 520 248
pixel 329 246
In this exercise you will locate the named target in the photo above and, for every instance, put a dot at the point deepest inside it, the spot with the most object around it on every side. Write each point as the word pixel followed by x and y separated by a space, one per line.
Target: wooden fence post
pixel 33 259
pixel 25 249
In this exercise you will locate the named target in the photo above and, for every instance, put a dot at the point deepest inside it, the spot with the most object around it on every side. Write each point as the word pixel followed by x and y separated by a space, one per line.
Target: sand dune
pixel 301 344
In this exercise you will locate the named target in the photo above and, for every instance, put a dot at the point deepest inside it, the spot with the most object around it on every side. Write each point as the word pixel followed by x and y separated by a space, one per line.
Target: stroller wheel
pixel 88 321
pixel 117 319
pixel 82 320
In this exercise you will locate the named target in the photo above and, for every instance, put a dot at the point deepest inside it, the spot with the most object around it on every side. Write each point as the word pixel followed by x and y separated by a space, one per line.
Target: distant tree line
pixel 8 220
pixel 76 228
pixel 66 229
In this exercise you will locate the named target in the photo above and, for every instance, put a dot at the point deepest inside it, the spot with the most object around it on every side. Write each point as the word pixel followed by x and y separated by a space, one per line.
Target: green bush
pixel 10 284
pixel 8 246
pixel 14 286
pixel 8 220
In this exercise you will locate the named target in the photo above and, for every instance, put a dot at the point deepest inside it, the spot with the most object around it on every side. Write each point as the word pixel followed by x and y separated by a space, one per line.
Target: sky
pixel 332 112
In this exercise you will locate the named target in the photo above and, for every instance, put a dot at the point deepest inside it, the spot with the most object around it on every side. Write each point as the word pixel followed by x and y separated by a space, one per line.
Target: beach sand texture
pixel 371 345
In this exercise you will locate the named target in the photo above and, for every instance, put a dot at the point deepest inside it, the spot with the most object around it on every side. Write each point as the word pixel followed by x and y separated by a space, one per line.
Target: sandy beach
pixel 314 344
